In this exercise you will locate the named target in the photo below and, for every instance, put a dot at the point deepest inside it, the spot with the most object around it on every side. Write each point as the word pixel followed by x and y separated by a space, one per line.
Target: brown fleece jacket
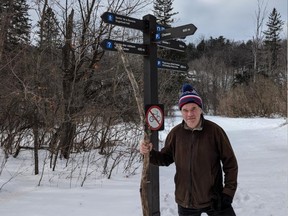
pixel 198 155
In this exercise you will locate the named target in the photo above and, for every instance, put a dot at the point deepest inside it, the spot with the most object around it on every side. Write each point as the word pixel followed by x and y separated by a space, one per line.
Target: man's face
pixel 191 114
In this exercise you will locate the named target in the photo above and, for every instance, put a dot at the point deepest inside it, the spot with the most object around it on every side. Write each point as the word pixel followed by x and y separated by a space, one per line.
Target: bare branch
pixel 145 171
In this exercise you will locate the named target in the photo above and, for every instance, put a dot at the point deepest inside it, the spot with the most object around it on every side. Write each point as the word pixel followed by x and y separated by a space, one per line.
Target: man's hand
pixel 145 147
pixel 226 201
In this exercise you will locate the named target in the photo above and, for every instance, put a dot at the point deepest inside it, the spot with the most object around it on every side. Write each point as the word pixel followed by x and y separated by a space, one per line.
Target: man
pixel 201 152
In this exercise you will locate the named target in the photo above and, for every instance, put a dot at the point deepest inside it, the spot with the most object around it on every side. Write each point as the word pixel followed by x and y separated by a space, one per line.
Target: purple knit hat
pixel 189 95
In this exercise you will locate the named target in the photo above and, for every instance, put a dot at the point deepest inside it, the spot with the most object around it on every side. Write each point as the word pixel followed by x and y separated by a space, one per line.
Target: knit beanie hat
pixel 189 95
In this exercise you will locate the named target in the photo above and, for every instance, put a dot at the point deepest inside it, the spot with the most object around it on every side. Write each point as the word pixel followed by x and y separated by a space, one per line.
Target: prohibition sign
pixel 154 117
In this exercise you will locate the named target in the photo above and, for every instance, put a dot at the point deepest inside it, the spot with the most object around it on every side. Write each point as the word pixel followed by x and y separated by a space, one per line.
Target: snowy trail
pixel 261 148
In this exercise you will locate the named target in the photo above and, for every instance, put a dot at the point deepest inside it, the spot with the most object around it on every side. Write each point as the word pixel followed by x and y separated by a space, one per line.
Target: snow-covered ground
pixel 260 145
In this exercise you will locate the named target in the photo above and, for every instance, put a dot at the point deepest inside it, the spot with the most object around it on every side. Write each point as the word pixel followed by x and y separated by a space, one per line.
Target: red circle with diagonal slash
pixel 154 117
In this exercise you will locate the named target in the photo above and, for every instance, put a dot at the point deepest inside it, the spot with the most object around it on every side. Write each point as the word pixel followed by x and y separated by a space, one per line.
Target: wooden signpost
pixel 154 35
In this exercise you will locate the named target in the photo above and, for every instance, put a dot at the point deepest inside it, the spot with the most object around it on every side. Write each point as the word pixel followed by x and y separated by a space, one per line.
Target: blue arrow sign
pixel 173 45
pixel 124 21
pixel 177 32
pixel 127 47
pixel 172 65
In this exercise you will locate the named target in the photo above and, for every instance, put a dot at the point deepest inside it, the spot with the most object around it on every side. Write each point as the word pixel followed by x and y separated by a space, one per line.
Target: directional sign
pixel 111 45
pixel 172 65
pixel 160 27
pixel 154 115
pixel 177 32
pixel 169 44
pixel 173 44
pixel 124 21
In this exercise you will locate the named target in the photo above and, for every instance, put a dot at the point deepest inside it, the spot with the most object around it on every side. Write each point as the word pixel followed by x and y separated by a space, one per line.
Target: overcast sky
pixel 232 19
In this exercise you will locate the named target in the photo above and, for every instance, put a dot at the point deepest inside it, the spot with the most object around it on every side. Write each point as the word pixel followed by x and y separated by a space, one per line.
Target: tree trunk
pixel 36 148
pixel 68 81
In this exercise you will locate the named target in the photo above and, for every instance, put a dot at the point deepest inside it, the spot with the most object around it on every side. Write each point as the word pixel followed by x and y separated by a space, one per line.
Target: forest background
pixel 63 94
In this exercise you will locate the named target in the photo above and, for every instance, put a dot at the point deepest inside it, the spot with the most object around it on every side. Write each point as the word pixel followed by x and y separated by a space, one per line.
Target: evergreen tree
pixel 163 12
pixel 14 19
pixel 169 80
pixel 272 38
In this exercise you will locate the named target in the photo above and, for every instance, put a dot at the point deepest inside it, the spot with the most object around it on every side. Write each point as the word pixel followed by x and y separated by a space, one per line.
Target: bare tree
pixel 257 40
pixel 52 93
pixel 81 68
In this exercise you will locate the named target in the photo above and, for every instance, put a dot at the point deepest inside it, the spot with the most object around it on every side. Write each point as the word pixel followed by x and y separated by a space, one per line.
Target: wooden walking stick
pixel 139 100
